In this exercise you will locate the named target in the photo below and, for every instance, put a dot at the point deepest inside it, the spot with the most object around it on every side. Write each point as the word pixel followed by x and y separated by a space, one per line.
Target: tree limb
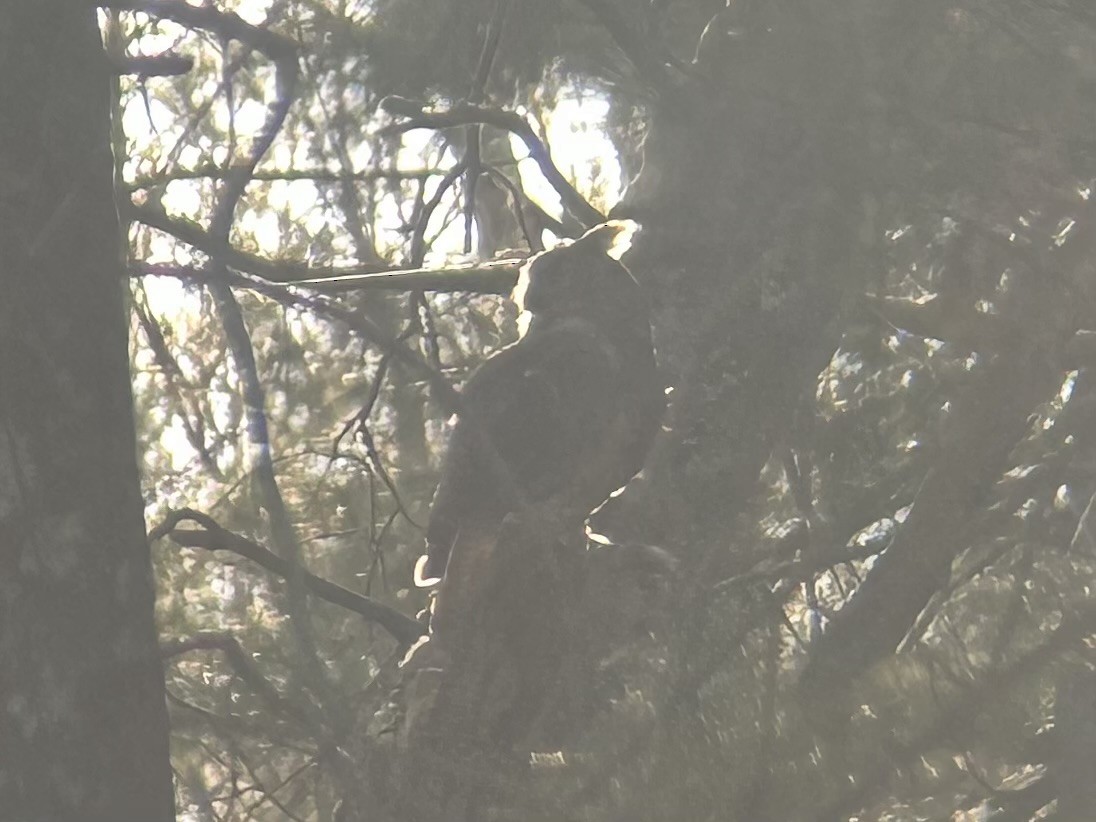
pixel 444 394
pixel 463 114
pixel 228 25
pixel 984 426
pixel 491 277
pixel 160 65
pixel 323 175
pixel 213 537
pixel 961 714
pixel 241 663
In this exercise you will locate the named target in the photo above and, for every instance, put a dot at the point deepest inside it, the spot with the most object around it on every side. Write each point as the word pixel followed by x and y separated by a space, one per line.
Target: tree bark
pixel 1074 767
pixel 83 730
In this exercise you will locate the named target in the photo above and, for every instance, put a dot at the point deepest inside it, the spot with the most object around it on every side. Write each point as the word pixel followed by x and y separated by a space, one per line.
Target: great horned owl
pixel 568 412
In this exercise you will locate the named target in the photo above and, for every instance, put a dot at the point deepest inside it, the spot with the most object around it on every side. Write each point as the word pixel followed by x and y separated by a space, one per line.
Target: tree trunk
pixel 1074 767
pixel 83 731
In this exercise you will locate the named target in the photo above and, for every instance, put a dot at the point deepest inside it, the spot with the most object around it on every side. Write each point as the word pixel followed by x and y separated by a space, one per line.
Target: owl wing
pixel 545 405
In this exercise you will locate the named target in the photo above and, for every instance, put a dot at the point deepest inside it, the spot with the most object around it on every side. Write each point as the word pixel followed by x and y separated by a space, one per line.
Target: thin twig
pixel 443 393
pixel 240 662
pixel 366 438
pixel 159 65
pixel 464 114
pixel 225 24
pixel 534 244
pixel 213 537
pixel 321 175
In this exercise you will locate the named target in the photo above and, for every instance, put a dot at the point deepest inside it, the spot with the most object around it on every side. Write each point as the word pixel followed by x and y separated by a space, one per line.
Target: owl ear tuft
pixel 613 238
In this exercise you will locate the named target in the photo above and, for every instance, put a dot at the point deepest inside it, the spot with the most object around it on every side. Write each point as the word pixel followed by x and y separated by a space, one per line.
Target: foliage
pixel 868 241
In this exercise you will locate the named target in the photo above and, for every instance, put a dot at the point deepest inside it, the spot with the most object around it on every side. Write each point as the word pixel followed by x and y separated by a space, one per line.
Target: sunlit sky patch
pixel 575 131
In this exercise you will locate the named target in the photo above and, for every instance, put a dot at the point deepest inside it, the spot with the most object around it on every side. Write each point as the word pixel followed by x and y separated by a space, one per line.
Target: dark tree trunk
pixel 83 730
pixel 1075 731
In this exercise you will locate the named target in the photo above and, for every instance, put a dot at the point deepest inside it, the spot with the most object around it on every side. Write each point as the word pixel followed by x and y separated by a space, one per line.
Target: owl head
pixel 582 278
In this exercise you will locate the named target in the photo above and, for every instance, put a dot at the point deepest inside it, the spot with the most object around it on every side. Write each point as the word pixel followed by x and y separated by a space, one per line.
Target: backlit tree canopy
pixel 854 578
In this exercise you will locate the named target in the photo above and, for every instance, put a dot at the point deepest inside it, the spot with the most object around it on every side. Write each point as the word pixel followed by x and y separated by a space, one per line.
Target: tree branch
pixel 218 247
pixel 322 175
pixel 213 537
pixel 443 393
pixel 227 25
pixel 984 426
pixel 241 663
pixel 492 277
pixel 463 114
pixel 160 65
pixel 961 714
pixel 283 54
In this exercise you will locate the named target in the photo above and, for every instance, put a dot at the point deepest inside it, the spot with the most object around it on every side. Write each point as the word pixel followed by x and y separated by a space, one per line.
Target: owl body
pixel 567 413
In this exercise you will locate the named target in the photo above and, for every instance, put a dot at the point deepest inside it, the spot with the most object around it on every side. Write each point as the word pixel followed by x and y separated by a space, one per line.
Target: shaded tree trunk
pixel 1075 730
pixel 83 733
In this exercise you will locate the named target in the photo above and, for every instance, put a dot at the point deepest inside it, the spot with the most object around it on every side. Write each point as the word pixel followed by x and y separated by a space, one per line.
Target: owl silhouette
pixel 566 413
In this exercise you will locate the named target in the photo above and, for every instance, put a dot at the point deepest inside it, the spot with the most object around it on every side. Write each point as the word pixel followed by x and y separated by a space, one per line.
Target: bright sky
pixel 575 132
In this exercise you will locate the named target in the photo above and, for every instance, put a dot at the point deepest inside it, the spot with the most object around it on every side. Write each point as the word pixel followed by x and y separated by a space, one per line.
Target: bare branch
pixel 283 53
pixel 160 65
pixel 418 236
pixel 320 175
pixel 443 393
pixel 225 24
pixel 960 715
pixel 518 199
pixel 241 663
pixel 984 426
pixel 493 277
pixel 213 537
pixel 192 234
pixel 463 114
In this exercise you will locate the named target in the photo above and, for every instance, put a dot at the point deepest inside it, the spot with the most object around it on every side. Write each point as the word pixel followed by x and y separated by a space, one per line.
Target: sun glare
pixel 580 146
